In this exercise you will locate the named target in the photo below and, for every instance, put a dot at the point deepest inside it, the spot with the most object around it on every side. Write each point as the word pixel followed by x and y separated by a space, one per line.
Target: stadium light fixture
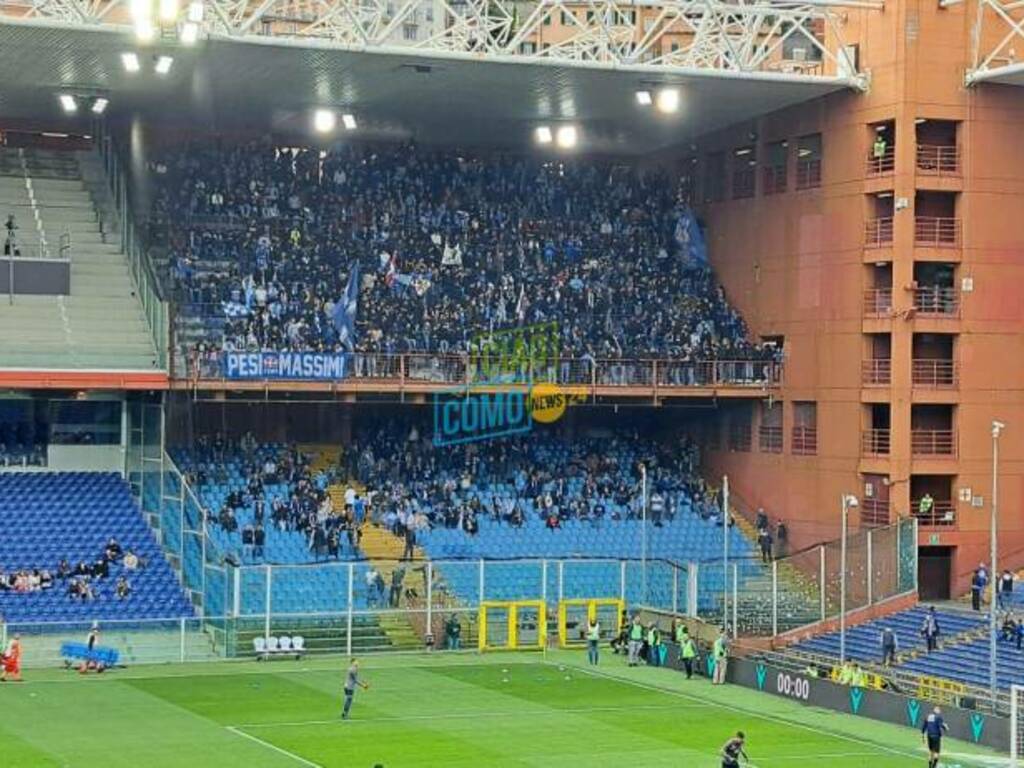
pixel 99 106
pixel 144 30
pixel 668 100
pixel 130 62
pixel 195 12
pixel 68 103
pixel 349 121
pixel 643 98
pixel 163 65
pixel 189 33
pixel 140 9
pixel 566 137
pixel 543 135
pixel 168 10
pixel 324 120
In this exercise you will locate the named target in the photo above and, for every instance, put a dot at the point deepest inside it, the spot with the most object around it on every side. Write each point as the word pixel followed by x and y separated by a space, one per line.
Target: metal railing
pixel 808 173
pixel 155 308
pixel 423 370
pixel 937 231
pixel 933 442
pixel 936 301
pixel 804 441
pixel 883 163
pixel 878 302
pixel 875 442
pixel 876 372
pixel 773 179
pixel 941 513
pixel 936 374
pixel 935 160
pixel 878 232
pixel 769 439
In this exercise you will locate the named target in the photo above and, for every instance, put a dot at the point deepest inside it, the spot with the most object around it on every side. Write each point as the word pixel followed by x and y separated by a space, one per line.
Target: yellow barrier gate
pixel 513 625
pixel 574 615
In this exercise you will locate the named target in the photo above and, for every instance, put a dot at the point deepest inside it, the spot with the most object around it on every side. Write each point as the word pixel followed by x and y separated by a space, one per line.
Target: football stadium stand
pixel 51 520
pixel 61 210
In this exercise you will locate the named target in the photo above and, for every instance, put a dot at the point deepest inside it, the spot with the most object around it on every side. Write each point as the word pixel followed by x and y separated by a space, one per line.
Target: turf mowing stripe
pixel 473 715
pixel 277 749
pixel 733 708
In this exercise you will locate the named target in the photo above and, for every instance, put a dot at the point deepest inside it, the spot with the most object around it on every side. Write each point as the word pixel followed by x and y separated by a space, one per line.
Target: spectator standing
pixel 781 539
pixel 930 630
pixel 764 540
pixel 1006 589
pixel 890 644
pixel 721 656
pixel 593 640
pixel 978 582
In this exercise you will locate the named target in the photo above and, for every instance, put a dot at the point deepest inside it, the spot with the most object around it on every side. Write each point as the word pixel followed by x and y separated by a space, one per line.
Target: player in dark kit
pixel 732 750
pixel 931 730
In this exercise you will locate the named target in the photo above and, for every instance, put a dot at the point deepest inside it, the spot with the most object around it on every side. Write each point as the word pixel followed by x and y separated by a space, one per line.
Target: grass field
pixel 459 711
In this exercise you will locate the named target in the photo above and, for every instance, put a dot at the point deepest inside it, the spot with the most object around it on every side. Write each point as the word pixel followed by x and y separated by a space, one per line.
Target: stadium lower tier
pixel 47 517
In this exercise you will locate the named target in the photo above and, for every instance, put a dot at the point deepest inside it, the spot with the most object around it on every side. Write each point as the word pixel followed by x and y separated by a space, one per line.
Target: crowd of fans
pixel 415 485
pixel 84 580
pixel 306 507
pixel 262 241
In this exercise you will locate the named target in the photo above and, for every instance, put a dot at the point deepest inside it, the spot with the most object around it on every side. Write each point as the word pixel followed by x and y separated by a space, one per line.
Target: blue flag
pixel 689 239
pixel 345 310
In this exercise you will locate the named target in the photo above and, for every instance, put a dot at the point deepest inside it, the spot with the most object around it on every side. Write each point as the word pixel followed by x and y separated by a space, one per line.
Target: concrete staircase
pixel 58 200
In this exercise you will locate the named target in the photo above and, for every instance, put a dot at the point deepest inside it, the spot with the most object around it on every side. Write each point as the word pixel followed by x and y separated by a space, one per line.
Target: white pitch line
pixel 467 716
pixel 277 749
pixel 759 715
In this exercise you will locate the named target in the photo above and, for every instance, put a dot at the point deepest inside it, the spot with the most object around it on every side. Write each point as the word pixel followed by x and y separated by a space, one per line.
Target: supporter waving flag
pixel 345 310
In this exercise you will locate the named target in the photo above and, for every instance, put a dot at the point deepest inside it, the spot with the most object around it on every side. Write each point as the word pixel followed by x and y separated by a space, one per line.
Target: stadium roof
pixel 272 83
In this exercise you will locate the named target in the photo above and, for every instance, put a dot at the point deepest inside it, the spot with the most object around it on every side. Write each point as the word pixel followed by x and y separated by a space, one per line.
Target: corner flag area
pixel 430 710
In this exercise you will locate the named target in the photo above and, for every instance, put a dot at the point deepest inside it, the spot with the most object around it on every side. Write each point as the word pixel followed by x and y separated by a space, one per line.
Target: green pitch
pixel 453 711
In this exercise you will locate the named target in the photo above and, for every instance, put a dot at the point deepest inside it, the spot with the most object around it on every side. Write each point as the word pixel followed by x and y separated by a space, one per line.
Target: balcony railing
pixel 770 439
pixel 941 512
pixel 934 374
pixel 808 173
pixel 933 442
pixel 933 160
pixel 936 301
pixel 878 302
pixel 445 370
pixel 937 231
pixel 875 442
pixel 773 179
pixel 876 372
pixel 804 441
pixel 878 232
pixel 874 512
pixel 881 164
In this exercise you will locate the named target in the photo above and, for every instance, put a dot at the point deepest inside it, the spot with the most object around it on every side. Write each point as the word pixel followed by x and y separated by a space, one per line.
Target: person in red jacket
pixel 12 661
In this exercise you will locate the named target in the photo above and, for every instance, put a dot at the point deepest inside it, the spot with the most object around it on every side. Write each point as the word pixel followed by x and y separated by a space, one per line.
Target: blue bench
pixel 80 652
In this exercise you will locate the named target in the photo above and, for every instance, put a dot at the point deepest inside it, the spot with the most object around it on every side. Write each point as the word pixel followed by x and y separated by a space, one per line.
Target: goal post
pixel 516 625
pixel 574 615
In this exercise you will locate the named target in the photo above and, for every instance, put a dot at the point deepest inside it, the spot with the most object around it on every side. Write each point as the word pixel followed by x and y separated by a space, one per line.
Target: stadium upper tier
pixel 262 243
pixel 50 519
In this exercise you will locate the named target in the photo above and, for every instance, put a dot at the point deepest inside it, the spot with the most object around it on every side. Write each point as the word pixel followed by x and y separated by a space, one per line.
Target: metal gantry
pixel 795 38
pixel 998 30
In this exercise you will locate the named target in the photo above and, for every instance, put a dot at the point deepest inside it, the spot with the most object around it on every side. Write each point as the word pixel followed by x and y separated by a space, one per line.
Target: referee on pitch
pixel 932 729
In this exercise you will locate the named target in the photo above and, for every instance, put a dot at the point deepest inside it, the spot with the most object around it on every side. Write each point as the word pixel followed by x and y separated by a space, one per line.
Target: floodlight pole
pixel 997 428
pixel 643 534
pixel 848 501
pixel 725 552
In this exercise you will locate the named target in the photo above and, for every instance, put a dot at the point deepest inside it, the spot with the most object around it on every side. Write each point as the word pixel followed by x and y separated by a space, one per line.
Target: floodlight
pixel 324 120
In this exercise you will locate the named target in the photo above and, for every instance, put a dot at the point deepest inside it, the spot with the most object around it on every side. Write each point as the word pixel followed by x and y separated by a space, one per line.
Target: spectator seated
pixel 262 242
pixel 65 539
